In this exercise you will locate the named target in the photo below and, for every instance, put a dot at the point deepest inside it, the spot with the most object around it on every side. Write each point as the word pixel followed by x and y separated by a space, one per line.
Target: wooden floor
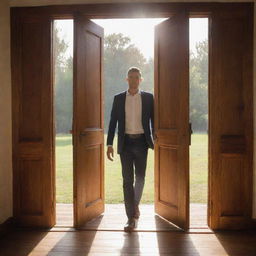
pixel 98 243
pixel 114 218
pixel 64 240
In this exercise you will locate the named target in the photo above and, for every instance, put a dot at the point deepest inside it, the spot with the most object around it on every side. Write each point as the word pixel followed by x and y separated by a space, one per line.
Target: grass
pixel 64 171
pixel 113 176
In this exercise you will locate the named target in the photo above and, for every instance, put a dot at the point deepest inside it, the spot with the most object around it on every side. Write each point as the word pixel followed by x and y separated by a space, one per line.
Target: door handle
pixel 190 132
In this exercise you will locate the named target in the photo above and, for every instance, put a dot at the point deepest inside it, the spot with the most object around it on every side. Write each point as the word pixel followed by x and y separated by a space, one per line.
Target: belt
pixel 134 136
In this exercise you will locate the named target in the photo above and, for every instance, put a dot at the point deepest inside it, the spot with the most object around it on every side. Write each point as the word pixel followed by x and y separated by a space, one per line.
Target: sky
pixel 141 31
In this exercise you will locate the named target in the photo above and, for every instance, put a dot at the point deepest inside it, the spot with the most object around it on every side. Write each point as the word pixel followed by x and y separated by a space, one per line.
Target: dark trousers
pixel 133 158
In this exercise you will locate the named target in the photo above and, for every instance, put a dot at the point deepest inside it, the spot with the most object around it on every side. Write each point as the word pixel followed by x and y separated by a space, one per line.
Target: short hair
pixel 133 69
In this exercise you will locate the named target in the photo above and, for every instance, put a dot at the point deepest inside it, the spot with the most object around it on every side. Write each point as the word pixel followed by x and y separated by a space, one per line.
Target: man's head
pixel 134 77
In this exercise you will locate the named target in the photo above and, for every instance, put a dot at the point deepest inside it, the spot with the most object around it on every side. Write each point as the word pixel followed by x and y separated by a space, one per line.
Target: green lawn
pixel 113 177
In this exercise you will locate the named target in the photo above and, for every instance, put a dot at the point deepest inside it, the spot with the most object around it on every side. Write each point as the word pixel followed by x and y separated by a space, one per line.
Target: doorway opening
pixel 198 105
pixel 129 42
pixel 63 110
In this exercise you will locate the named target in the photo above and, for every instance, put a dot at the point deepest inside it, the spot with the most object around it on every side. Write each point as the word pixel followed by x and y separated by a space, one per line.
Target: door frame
pixel 133 10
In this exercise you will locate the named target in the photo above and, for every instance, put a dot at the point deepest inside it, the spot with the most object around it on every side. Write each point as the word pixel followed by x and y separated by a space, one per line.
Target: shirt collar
pixel 139 92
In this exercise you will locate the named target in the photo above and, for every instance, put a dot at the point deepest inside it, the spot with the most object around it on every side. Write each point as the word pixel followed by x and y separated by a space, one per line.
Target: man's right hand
pixel 110 153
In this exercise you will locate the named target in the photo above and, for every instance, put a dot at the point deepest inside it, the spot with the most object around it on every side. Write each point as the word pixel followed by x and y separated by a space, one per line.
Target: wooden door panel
pixel 30 181
pixel 33 146
pixel 168 160
pixel 88 122
pixel 231 120
pixel 232 171
pixel 172 120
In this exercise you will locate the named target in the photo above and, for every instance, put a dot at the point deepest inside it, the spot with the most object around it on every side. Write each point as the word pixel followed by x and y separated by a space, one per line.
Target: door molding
pixel 132 10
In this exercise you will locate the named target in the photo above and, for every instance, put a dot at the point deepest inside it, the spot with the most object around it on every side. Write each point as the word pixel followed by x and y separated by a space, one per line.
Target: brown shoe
pixel 130 225
pixel 137 212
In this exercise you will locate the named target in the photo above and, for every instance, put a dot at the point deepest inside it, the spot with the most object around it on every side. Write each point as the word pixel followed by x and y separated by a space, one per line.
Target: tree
pixel 63 89
pixel 199 87
pixel 119 55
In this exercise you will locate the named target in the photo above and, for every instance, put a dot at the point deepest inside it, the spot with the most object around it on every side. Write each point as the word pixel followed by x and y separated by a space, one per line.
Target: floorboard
pixel 114 218
pixel 62 243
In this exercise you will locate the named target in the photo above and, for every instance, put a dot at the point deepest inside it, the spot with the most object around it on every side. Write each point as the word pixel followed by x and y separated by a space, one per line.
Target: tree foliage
pixel 199 87
pixel 63 89
pixel 119 55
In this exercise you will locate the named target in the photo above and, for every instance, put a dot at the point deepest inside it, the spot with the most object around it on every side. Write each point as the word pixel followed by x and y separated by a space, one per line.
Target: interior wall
pixel 5 95
pixel 254 114
pixel 5 120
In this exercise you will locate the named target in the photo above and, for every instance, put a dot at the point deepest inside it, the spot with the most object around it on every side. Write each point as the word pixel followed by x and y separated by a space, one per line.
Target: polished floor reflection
pixel 114 218
pixel 70 242
pixel 67 241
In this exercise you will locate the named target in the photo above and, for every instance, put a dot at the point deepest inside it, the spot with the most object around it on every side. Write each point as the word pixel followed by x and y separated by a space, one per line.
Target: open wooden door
pixel 88 135
pixel 172 120
pixel 231 118
pixel 32 111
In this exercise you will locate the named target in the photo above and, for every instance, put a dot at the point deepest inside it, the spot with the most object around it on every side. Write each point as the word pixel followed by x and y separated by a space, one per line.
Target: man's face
pixel 133 80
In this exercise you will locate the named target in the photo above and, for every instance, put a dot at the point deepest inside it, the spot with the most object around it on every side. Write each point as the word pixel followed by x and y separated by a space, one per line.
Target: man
pixel 133 110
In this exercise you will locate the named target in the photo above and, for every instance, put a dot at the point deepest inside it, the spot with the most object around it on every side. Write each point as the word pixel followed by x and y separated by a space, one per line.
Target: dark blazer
pixel 118 115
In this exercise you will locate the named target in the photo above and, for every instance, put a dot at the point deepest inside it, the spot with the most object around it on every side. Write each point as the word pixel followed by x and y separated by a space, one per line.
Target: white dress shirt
pixel 133 113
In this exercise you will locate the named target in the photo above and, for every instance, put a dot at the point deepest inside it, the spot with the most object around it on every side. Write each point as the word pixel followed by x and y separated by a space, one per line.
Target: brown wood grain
pixel 172 119
pixel 132 10
pixel 230 119
pixel 32 103
pixel 88 121
pixel 67 242
pixel 114 218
